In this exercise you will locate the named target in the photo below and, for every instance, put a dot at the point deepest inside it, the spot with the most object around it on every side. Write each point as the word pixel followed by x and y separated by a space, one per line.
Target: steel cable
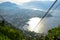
pixel 47 12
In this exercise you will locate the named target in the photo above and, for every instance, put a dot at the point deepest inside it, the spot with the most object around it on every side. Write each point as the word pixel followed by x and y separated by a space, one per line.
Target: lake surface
pixel 44 26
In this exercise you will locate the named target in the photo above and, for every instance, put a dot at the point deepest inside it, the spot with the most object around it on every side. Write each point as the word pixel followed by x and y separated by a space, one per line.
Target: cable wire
pixel 55 8
pixel 46 12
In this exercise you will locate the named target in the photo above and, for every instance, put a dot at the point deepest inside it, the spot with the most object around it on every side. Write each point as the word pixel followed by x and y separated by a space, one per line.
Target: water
pixel 32 24
pixel 44 26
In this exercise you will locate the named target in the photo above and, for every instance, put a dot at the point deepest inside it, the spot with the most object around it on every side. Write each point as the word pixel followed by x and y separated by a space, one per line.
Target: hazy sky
pixel 23 1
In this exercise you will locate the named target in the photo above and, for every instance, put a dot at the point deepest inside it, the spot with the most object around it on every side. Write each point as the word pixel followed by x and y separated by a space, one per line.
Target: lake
pixel 44 26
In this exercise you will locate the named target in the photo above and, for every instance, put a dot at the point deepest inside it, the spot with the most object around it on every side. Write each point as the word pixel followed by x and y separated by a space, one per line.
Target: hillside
pixel 9 33
pixel 53 34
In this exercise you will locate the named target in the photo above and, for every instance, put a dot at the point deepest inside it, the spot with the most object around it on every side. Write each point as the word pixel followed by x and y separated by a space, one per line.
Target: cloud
pixel 46 0
pixel 37 9
pixel 23 1
pixel 16 1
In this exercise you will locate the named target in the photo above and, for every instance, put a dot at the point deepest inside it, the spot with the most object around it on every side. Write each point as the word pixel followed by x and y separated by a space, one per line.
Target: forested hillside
pixel 9 33
pixel 53 34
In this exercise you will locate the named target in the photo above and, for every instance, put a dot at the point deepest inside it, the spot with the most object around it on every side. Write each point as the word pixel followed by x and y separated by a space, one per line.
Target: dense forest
pixel 53 34
pixel 9 33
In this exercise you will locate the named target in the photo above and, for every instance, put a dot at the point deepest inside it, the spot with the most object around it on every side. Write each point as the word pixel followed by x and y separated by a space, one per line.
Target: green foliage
pixel 53 34
pixel 11 33
pixel 8 33
pixel 3 37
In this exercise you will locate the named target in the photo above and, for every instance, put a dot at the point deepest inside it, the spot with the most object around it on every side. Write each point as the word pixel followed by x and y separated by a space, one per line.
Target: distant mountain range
pixel 18 16
pixel 41 4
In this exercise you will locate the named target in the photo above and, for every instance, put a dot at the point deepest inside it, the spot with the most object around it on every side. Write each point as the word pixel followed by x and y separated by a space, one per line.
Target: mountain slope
pixel 18 16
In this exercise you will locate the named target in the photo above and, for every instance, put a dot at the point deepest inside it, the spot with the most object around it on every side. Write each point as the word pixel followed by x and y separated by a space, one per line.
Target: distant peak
pixel 8 5
pixel 7 2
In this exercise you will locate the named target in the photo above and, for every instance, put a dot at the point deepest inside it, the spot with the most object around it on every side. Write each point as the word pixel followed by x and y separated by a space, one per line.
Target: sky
pixel 35 6
pixel 22 1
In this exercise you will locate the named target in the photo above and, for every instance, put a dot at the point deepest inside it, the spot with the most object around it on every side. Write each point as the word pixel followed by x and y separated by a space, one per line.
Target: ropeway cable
pixel 46 12
pixel 55 8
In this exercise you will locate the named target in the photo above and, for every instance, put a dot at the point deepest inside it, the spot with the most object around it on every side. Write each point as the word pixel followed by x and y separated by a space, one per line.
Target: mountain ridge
pixel 19 16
